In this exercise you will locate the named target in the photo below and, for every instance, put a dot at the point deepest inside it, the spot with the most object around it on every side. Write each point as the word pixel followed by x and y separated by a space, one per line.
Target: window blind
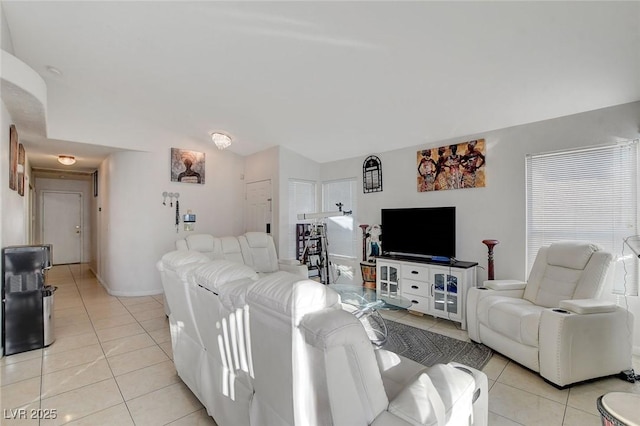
pixel 587 194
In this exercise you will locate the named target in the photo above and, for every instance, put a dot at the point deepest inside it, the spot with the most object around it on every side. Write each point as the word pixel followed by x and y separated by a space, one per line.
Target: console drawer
pixel 418 303
pixel 415 288
pixel 415 272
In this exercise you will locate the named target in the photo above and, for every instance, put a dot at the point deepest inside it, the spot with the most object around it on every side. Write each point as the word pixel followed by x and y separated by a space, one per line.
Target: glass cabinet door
pixel 388 281
pixel 445 292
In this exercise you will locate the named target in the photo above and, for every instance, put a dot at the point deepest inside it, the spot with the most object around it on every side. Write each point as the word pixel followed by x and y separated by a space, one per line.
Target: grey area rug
pixel 430 348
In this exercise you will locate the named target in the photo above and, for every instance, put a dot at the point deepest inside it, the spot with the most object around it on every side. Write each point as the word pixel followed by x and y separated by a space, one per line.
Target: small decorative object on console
pixel 374 245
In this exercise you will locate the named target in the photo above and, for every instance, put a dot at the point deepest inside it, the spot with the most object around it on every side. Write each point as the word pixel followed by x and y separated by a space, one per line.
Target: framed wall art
pixel 187 166
pixel 21 161
pixel 13 158
pixel 452 167
pixel 94 175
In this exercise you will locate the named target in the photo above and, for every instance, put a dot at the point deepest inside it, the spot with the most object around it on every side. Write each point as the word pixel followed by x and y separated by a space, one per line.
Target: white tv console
pixel 435 288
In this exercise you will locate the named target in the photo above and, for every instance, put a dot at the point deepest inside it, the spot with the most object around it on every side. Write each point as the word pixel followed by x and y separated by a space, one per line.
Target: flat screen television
pixel 421 232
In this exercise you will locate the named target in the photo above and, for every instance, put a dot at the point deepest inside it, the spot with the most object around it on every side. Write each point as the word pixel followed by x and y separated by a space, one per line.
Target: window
pixel 302 199
pixel 587 194
pixel 341 233
pixel 340 229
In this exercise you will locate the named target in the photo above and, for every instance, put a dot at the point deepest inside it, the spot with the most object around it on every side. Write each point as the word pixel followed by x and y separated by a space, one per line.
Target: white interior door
pixel 62 225
pixel 258 211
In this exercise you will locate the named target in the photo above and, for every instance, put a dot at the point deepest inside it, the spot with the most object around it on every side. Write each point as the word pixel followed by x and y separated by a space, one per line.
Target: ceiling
pixel 329 80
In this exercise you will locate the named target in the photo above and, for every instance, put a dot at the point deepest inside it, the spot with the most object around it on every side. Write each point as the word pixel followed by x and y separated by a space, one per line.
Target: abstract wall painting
pixel 187 166
pixel 452 167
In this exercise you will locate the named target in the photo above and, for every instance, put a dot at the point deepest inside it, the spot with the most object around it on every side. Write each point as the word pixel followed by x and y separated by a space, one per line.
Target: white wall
pixel 135 229
pixel 14 210
pixel 68 185
pixel 6 43
pixel 265 165
pixel 279 165
pixel 14 207
pixel 498 210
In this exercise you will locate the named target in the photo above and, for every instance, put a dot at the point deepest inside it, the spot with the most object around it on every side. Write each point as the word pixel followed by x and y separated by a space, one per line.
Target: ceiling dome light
pixel 221 140
pixel 67 160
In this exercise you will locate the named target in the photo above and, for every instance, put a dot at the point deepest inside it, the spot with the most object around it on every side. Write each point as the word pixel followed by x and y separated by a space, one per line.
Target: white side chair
pixel 554 322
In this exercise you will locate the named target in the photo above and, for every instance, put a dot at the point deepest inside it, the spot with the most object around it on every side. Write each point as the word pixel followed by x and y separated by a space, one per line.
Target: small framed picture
pixel 94 175
pixel 13 158
pixel 21 161
pixel 187 166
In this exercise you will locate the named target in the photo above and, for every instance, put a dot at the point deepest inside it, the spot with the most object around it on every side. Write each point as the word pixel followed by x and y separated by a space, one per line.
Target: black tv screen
pixel 423 232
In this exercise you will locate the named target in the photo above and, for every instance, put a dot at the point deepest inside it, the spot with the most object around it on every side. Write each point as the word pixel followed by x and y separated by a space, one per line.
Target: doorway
pixel 259 206
pixel 62 225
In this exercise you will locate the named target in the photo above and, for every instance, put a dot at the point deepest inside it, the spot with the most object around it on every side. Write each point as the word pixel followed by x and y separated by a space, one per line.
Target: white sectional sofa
pixel 278 349
pixel 254 249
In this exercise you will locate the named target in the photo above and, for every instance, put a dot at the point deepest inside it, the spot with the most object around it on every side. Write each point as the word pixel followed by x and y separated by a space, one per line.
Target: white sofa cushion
pixel 557 284
pixel 230 250
pixel 571 254
pixel 204 243
pixel 516 319
pixel 287 294
pixel 175 259
pixel 566 270
pixel 259 251
pixel 215 273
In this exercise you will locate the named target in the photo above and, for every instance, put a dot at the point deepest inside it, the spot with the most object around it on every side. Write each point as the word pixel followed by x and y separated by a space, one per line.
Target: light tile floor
pixel 111 364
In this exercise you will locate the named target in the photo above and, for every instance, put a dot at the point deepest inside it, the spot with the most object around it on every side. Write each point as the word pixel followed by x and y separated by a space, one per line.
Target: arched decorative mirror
pixel 372 174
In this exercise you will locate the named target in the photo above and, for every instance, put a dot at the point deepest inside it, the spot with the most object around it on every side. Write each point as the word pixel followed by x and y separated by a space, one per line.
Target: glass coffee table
pixel 365 304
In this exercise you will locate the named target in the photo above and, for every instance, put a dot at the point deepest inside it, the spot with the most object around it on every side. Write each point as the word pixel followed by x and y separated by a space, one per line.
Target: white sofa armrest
pixel 567 341
pixel 419 403
pixel 441 395
pixel 587 306
pixel 294 267
pixel 387 419
pixel 502 285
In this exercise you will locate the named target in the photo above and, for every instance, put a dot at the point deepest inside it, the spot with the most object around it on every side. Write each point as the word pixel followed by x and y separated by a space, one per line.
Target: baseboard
pixel 124 293
pixel 133 294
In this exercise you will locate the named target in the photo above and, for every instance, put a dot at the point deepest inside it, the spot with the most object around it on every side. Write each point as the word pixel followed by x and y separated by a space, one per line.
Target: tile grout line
pixel 113 376
pixel 101 348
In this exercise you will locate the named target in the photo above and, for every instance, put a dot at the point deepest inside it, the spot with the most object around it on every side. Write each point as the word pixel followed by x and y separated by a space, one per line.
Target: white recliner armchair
pixel 554 323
